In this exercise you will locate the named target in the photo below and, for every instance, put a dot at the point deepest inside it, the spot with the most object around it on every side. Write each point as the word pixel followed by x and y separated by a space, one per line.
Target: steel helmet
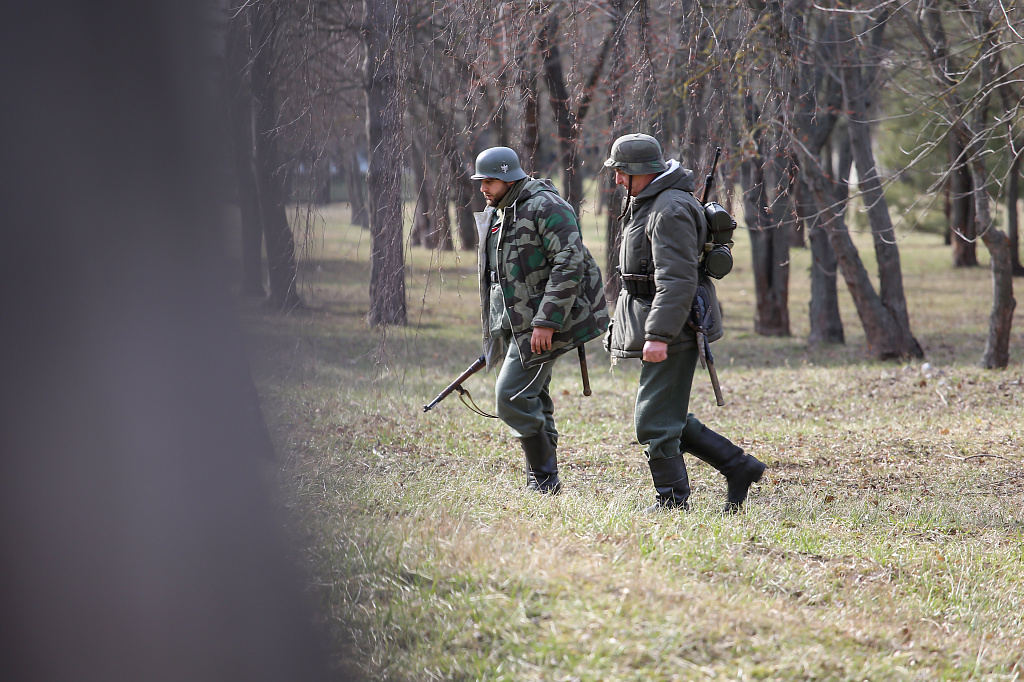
pixel 636 154
pixel 498 162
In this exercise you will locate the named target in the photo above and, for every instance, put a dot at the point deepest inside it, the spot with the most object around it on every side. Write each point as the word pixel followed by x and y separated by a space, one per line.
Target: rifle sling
pixel 467 399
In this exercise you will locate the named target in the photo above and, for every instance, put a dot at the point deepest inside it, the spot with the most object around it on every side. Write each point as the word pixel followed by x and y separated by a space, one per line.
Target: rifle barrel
pixel 709 179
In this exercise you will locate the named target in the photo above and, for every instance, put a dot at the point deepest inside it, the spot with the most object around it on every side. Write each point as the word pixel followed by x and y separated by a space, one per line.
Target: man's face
pixel 494 189
pixel 639 182
pixel 621 179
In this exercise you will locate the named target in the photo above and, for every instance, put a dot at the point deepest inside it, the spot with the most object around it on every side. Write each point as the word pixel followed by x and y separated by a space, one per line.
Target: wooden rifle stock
pixel 583 370
pixel 456 385
pixel 714 383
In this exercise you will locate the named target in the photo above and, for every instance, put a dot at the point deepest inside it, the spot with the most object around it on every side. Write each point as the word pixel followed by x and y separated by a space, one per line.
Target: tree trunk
pixel 239 101
pixel 531 122
pixel 798 233
pixel 461 185
pixel 453 183
pixel 769 233
pixel 818 102
pixel 1013 217
pixel 569 122
pixel 766 179
pixel 613 239
pixel 961 208
pixel 464 196
pixel 873 315
pixel 947 208
pixel 1003 304
pixel 384 111
pixel 565 119
pixel 997 344
pixel 355 184
pixel 891 337
pixel 271 179
pixel 442 218
pixel 616 121
pixel 826 325
pixel 423 212
pixel 500 118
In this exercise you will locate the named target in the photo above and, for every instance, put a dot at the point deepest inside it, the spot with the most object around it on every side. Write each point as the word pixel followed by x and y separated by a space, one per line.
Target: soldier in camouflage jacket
pixel 541 295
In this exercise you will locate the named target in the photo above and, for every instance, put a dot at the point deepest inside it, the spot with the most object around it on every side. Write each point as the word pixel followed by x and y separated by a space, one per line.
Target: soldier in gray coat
pixel 663 236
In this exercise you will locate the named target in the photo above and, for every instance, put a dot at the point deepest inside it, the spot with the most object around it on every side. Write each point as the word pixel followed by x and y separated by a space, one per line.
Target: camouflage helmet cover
pixel 498 162
pixel 636 154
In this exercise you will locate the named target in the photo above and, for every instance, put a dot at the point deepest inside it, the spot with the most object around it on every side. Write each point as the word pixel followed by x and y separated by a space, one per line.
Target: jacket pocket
pixel 630 320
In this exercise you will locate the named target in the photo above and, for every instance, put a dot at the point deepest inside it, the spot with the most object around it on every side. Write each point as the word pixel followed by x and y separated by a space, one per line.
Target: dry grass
pixel 885 542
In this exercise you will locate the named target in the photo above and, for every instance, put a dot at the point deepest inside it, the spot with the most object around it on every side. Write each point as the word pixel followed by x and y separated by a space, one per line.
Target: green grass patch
pixel 884 542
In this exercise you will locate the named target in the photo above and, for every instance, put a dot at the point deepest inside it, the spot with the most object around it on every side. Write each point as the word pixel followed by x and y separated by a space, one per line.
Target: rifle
pixel 717 263
pixel 467 398
pixel 701 319
pixel 709 179
pixel 456 385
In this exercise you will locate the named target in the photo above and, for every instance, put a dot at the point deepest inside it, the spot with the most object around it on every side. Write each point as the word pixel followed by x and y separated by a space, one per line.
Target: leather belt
pixel 638 285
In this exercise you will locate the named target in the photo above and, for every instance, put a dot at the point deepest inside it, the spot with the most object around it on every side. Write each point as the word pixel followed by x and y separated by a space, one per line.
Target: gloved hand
pixel 607 341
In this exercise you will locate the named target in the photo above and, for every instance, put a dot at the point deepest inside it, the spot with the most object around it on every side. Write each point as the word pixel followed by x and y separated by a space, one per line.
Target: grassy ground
pixel 884 542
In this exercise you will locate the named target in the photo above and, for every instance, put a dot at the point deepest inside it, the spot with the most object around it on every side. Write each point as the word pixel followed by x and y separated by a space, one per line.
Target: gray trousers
pixel 662 400
pixel 522 397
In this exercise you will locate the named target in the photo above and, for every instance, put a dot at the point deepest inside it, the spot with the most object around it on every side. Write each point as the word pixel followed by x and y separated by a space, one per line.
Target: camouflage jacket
pixel 548 277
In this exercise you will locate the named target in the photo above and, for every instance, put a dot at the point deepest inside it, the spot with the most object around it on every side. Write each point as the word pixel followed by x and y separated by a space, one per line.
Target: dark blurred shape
pixel 137 540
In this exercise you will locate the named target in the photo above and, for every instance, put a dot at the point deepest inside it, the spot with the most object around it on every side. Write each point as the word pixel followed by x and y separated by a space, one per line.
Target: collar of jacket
pixel 675 177
pixel 512 194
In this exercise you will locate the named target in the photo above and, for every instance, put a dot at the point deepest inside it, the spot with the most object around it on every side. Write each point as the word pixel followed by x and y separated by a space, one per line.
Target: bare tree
pixel 766 176
pixel 818 99
pixel 968 116
pixel 422 233
pixel 443 83
pixel 382 23
pixel 617 126
pixel 1012 217
pixel 962 221
pixel 239 104
pixel 270 170
pixel 883 315
pixel 355 185
pixel 767 170
pixel 892 337
pixel 569 120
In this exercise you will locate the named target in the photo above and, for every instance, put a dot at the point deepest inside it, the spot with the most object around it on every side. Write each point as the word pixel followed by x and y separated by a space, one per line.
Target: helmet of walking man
pixel 498 162
pixel 636 154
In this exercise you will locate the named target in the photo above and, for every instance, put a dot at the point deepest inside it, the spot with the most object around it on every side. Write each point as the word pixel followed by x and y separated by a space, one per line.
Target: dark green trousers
pixel 522 397
pixel 662 402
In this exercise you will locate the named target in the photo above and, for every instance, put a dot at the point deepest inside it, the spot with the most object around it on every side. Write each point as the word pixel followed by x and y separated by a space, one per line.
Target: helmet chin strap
pixel 629 197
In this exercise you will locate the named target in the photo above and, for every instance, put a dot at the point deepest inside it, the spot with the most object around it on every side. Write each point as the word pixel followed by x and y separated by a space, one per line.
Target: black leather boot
pixel 740 469
pixel 671 484
pixel 541 464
